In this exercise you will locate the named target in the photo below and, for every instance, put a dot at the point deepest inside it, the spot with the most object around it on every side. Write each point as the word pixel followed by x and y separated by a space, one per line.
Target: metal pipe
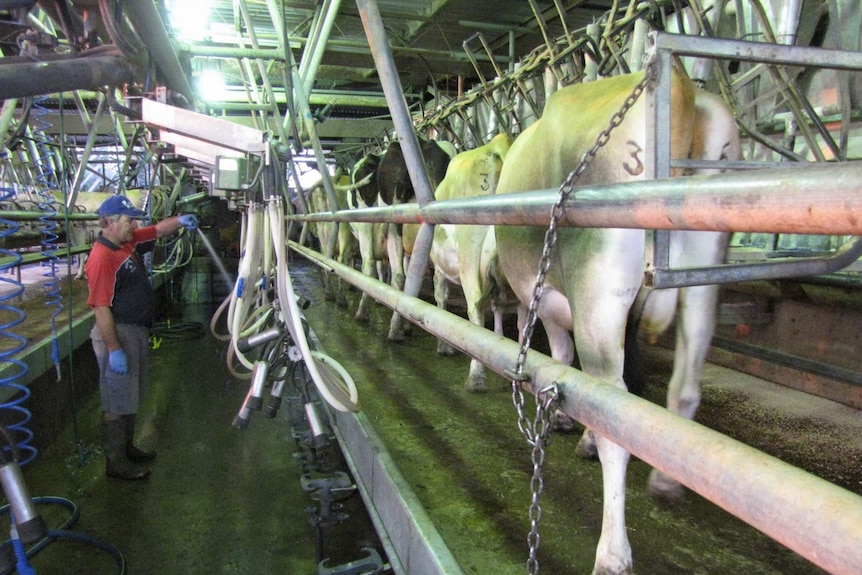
pixel 333 45
pixel 758 51
pixel 81 73
pixel 388 73
pixel 821 199
pixel 26 216
pixel 311 62
pixel 36 257
pixel 85 156
pixel 150 27
pixel 233 52
pixel 825 526
pixel 661 277
pixel 389 78
pixel 267 85
pixel 288 126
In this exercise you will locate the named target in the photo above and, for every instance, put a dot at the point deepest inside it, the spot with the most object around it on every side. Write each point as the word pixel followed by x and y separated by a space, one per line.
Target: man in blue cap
pixel 123 302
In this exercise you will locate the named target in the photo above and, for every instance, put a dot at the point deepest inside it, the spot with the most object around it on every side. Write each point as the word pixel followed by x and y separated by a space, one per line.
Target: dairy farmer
pixel 123 303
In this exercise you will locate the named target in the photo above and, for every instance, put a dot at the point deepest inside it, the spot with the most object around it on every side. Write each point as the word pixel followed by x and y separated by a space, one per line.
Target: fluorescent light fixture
pixel 211 85
pixel 189 20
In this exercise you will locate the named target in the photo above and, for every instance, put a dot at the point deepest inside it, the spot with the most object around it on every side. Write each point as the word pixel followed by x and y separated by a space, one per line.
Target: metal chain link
pixel 538 431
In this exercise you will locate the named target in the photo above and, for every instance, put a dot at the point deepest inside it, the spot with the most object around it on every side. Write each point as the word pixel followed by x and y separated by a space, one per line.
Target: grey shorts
pixel 122 394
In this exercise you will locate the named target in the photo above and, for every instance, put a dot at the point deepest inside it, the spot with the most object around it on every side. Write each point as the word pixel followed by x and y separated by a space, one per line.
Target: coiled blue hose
pixel 49 225
pixel 13 343
pixel 64 533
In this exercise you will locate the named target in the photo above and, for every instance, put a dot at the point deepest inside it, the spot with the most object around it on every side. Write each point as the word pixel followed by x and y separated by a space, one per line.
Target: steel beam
pixel 199 126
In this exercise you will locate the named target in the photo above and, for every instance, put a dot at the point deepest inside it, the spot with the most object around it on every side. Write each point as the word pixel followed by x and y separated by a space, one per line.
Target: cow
pixel 380 179
pixel 395 187
pixel 371 237
pixel 466 255
pixel 84 232
pixel 595 274
pixel 345 243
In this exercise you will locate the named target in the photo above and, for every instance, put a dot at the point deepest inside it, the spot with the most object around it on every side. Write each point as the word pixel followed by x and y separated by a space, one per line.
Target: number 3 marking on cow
pixel 638 168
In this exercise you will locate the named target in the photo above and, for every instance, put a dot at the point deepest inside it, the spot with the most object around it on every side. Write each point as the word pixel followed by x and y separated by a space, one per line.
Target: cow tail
pixel 634 373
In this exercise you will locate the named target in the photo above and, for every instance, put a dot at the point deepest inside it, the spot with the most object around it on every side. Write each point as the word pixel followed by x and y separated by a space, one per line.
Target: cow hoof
pixel 476 385
pixel 445 349
pixel 396 337
pixel 562 422
pixel 664 486
pixel 586 448
pixel 363 317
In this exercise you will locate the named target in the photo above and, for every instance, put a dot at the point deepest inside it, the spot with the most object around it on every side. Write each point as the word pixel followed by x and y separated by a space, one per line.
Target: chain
pixel 538 431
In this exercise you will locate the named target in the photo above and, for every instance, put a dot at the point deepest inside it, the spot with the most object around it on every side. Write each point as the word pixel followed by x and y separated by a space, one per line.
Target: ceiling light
pixel 211 85
pixel 189 20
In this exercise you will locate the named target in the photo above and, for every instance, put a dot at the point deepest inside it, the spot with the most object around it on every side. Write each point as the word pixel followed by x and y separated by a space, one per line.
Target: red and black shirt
pixel 118 279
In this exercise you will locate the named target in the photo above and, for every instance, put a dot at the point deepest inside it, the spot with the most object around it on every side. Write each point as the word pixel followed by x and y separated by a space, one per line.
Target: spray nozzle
pixel 27 522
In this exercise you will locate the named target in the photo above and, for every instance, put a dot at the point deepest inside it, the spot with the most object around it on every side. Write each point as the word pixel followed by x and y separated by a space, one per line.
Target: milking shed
pixel 672 182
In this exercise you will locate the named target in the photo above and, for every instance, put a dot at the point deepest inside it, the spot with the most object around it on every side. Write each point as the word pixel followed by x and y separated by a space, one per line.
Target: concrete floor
pixel 223 501
pixel 218 501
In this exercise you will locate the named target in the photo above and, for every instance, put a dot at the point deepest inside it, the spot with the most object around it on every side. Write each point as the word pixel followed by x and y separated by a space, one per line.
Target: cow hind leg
pixel 366 254
pixel 614 552
pixel 563 350
pixel 599 331
pixel 441 296
pixel 695 326
pixel 476 377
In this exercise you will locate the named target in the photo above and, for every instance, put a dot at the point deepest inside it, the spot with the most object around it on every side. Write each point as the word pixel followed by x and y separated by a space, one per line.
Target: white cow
pixel 466 255
pixel 396 187
pixel 84 232
pixel 371 237
pixel 345 243
pixel 596 274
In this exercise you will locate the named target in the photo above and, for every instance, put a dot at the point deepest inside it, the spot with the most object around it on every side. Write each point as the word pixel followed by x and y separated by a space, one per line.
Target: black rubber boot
pixel 117 464
pixel 134 453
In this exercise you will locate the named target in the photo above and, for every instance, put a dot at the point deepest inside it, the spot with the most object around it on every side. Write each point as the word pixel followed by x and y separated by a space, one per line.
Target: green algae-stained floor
pixel 218 502
pixel 464 458
pixel 221 501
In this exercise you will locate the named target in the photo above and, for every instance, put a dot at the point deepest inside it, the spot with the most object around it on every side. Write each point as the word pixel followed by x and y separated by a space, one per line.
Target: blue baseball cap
pixel 119 206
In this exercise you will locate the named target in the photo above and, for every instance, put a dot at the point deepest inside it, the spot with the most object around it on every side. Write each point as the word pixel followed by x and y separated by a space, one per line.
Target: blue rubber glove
pixel 118 362
pixel 190 221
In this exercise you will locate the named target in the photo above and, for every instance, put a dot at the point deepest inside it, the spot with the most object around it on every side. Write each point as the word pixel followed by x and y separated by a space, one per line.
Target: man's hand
pixel 189 221
pixel 118 362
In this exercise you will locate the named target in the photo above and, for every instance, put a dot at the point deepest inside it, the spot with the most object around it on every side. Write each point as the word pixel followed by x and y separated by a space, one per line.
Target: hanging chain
pixel 538 431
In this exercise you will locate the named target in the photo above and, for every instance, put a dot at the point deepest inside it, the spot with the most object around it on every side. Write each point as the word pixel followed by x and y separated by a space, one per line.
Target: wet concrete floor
pixel 465 459
pixel 218 501
pixel 222 501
